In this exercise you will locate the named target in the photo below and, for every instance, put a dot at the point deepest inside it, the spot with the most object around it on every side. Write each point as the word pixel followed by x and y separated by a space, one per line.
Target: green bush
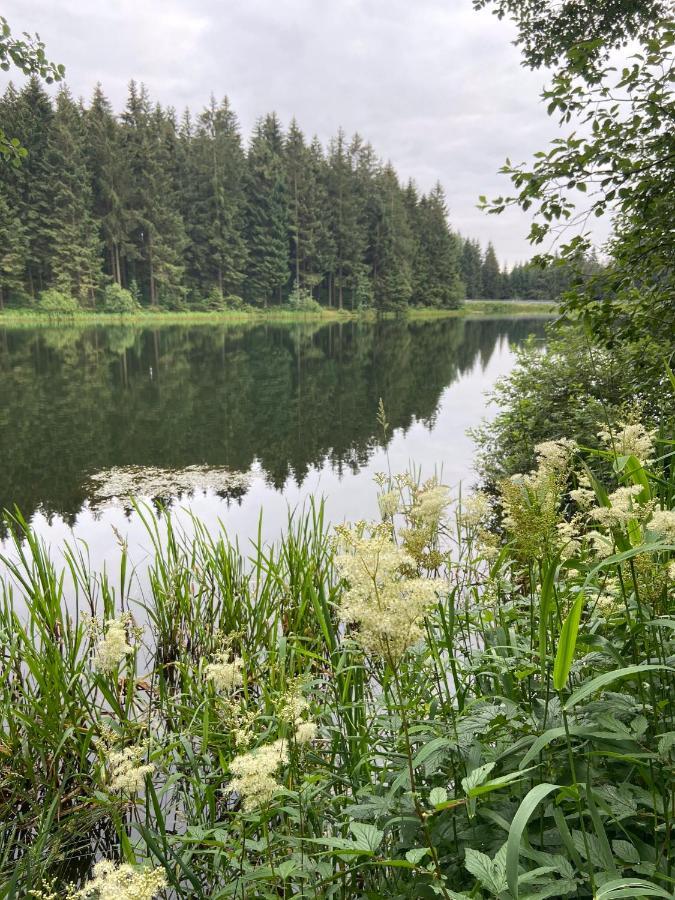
pixel 301 300
pixel 53 301
pixel 117 299
pixel 569 388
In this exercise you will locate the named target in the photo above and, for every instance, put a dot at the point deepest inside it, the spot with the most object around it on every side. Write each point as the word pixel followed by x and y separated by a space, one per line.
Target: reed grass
pixel 523 748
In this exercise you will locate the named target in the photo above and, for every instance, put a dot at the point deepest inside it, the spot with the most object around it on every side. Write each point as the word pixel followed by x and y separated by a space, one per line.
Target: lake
pixel 231 420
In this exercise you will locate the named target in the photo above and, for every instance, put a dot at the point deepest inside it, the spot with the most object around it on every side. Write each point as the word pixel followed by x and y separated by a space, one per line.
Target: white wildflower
pixel 629 439
pixel 475 509
pixel 254 771
pixel 306 732
pixel 292 707
pixel 225 676
pixel 663 523
pixel 113 647
pixel 123 882
pixel 601 544
pixel 554 456
pixel 583 495
pixel 389 504
pixel 127 773
pixel 430 504
pixel 623 506
pixel 568 538
pixel 387 607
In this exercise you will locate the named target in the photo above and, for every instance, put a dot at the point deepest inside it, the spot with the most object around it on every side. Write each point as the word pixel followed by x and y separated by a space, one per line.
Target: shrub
pixel 56 302
pixel 301 300
pixel 117 299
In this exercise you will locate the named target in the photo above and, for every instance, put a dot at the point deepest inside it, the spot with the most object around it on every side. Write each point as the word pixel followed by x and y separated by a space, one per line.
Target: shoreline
pixel 146 317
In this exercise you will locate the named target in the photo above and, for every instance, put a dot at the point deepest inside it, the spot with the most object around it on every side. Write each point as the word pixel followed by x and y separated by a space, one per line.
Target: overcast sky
pixel 436 87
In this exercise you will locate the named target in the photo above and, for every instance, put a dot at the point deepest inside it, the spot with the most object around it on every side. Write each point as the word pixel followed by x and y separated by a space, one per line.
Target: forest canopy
pixel 109 212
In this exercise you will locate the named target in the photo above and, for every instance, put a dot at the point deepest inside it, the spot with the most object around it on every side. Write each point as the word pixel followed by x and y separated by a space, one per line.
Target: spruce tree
pixel 491 275
pixel 74 260
pixel 213 202
pixel 471 269
pixel 392 246
pixel 13 250
pixel 436 275
pixel 266 214
pixel 110 184
pixel 155 259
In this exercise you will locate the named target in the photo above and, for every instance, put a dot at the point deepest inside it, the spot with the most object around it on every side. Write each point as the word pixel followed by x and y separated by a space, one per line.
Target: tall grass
pixel 522 748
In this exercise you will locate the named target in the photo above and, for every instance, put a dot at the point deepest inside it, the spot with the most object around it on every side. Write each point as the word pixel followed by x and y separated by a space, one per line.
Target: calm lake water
pixel 228 421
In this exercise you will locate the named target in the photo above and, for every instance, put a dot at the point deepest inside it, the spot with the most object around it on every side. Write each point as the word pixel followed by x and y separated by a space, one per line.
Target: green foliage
pixel 301 300
pixel 617 161
pixel 117 299
pixel 56 302
pixel 27 53
pixel 260 747
pixel 569 388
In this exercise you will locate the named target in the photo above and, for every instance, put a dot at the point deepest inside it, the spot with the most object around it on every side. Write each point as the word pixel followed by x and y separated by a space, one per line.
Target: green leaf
pixel 477 777
pixel 368 837
pixel 416 854
pixel 630 887
pixel 601 681
pixel 438 795
pixel 567 644
pixel 532 799
pixel 626 852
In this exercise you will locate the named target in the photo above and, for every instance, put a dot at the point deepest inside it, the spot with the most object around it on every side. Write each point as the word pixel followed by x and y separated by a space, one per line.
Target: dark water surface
pixel 229 420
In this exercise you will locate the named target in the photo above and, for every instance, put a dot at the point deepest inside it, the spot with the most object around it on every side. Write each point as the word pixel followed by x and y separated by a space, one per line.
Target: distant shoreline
pixel 29 318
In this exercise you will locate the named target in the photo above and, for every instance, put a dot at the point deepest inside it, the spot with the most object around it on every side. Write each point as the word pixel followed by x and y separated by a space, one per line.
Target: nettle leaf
pixel 490 873
pixel 368 837
pixel 626 852
pixel 477 777
pixel 620 802
pixel 438 795
pixel 666 743
pixel 416 854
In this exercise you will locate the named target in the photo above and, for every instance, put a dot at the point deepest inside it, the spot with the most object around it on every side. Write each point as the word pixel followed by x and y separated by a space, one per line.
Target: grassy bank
pixel 147 318
pixel 420 707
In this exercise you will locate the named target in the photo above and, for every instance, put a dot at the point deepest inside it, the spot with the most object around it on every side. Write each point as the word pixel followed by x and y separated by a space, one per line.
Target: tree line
pixel 108 211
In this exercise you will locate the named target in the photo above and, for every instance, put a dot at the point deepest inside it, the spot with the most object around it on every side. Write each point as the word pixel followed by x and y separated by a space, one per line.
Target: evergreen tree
pixel 266 214
pixel 437 280
pixel 393 246
pixel 13 251
pixel 32 121
pixel 155 259
pixel 74 261
pixel 110 184
pixel 213 202
pixel 471 266
pixel 491 275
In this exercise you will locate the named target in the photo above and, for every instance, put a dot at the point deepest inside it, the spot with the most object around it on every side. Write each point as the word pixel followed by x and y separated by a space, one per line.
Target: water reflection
pixel 91 414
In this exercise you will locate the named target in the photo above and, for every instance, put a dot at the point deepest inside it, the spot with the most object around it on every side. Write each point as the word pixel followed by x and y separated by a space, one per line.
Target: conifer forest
pixel 176 213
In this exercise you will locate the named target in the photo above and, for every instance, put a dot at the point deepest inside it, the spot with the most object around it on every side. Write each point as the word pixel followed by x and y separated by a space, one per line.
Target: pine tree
pixel 266 214
pixel 74 260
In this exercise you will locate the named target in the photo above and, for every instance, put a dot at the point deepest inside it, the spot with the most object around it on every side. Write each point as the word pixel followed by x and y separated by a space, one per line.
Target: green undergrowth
pixel 12 318
pixel 463 701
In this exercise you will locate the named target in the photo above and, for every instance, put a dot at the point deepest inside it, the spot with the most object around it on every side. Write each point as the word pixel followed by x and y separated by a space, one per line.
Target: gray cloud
pixel 436 87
